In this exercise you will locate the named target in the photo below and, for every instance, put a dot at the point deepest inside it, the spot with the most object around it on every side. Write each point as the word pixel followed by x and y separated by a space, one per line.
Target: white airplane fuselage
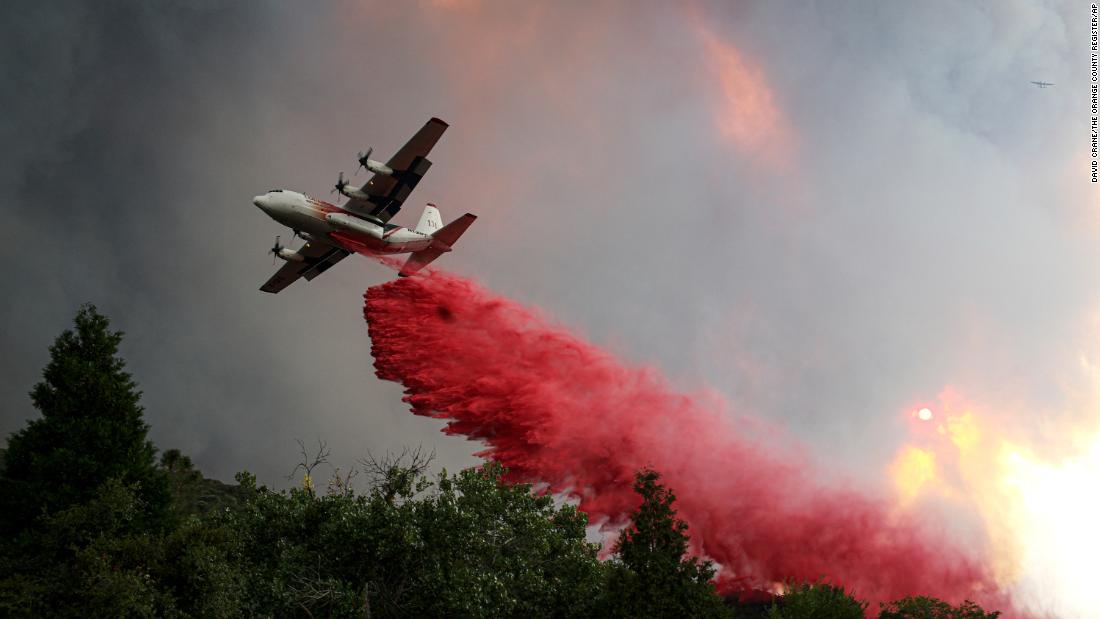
pixel 321 220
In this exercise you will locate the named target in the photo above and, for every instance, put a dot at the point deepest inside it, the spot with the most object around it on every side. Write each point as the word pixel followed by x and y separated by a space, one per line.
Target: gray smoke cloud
pixel 135 136
pixel 933 224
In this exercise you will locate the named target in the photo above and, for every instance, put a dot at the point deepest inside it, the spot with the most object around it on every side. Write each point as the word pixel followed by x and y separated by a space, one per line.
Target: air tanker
pixel 361 225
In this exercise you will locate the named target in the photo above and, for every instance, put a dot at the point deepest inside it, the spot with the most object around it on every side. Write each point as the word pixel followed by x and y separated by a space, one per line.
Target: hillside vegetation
pixel 94 524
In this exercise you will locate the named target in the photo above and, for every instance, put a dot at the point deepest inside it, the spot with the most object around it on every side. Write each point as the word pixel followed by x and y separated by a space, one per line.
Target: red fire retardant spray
pixel 558 411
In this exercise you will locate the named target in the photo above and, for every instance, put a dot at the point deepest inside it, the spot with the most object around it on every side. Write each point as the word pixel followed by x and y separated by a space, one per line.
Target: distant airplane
pixel 1042 84
pixel 361 224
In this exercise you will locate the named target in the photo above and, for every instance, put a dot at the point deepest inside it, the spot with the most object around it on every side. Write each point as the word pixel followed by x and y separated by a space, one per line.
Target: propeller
pixel 274 251
pixel 340 184
pixel 363 159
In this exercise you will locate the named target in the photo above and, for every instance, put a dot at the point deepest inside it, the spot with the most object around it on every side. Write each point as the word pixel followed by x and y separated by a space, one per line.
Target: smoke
pixel 559 411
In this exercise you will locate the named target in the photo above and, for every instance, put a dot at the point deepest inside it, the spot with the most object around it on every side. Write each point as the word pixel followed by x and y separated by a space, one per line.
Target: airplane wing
pixel 318 259
pixel 387 193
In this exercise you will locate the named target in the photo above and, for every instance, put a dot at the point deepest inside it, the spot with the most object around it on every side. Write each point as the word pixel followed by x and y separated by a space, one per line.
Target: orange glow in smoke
pixel 912 469
pixel 748 114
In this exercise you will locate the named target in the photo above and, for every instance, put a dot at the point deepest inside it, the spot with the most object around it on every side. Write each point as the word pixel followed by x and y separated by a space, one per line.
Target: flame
pixel 913 468
pixel 1054 508
pixel 964 432
pixel 1038 511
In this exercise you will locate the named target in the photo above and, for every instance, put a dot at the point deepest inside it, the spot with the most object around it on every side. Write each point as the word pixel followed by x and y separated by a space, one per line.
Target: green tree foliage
pixel 922 607
pixel 192 494
pixel 91 431
pixel 468 545
pixel 652 575
pixel 91 562
pixel 69 565
pixel 816 601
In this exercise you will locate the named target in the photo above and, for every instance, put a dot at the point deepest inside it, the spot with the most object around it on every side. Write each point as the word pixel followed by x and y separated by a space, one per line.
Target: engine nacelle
pixel 290 255
pixel 355 193
pixel 378 167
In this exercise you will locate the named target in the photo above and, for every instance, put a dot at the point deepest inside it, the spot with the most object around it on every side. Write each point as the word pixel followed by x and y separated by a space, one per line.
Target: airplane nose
pixel 261 201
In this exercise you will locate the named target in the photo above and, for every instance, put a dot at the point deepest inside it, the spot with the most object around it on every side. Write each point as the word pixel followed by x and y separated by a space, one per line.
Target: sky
pixel 827 212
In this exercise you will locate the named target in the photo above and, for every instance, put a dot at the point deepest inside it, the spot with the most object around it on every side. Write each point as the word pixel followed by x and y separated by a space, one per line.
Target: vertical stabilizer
pixel 430 221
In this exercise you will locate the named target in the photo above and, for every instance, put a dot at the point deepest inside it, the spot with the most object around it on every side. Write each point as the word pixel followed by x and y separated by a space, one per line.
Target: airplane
pixel 362 225
pixel 1042 84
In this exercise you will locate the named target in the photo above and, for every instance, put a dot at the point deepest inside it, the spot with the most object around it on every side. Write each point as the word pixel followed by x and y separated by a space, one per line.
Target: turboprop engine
pixel 285 253
pixel 348 191
pixel 290 255
pixel 374 166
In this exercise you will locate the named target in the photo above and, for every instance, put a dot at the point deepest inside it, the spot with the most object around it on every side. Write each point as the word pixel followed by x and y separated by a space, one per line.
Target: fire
pixel 913 468
pixel 964 432
pixel 1054 508
pixel 1039 512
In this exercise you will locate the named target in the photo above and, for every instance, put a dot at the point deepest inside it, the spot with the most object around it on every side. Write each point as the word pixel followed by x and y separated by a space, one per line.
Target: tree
pixel 498 550
pixel 91 431
pixel 816 601
pixel 921 607
pixel 83 560
pixel 468 545
pixel 653 576
pixel 193 494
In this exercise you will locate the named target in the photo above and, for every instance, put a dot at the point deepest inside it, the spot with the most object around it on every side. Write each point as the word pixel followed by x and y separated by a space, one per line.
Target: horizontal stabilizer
pixel 419 260
pixel 449 234
pixel 442 241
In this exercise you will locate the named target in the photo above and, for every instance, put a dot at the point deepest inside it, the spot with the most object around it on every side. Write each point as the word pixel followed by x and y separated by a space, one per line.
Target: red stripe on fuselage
pixel 357 243
pixel 325 207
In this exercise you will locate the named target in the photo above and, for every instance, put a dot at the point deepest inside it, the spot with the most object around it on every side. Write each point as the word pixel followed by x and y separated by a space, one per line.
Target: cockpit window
pixel 275 191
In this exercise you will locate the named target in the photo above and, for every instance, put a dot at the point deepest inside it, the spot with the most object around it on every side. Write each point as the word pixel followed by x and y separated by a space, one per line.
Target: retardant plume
pixel 557 410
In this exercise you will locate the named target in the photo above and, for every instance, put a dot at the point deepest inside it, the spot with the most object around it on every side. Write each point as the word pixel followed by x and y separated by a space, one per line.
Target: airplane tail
pixel 430 221
pixel 447 235
pixel 442 240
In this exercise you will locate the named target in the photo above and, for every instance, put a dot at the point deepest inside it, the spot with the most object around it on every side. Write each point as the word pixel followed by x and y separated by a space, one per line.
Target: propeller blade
pixel 363 159
pixel 275 249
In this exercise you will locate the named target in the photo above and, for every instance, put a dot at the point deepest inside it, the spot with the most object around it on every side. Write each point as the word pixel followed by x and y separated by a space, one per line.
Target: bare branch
pixel 341 484
pixel 307 464
pixel 395 475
